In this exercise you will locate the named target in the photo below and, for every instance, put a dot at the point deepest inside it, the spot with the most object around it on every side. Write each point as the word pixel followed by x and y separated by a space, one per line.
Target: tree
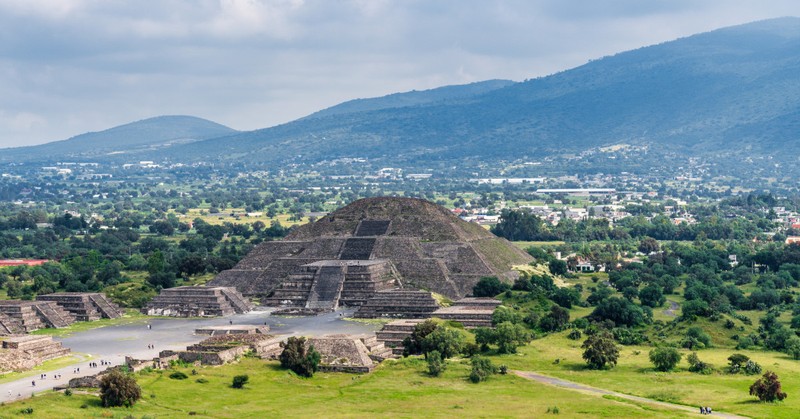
pixel 619 310
pixel 652 296
pixel 436 364
pixel 505 314
pixel 482 369
pixel 599 350
pixel 412 345
pixel 447 341
pixel 664 358
pixel 555 320
pixel 793 347
pixel 489 286
pixel 696 338
pixel 297 358
pixel 118 389
pixel 767 388
pixel 239 381
pixel 509 337
pixel 557 267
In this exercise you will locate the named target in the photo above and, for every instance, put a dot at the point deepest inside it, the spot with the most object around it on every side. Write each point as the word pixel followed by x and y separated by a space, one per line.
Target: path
pixel 544 379
pixel 113 343
pixel 673 308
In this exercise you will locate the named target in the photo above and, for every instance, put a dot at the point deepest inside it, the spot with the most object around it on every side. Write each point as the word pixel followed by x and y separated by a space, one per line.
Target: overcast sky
pixel 72 66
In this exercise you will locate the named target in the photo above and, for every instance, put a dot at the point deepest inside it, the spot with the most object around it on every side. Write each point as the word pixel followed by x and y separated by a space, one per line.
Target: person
pixel 230 321
pixel 33 383
pixel 708 410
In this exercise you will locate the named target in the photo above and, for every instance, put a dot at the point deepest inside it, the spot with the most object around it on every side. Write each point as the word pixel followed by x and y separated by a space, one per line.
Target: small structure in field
pixel 197 301
pixel 22 353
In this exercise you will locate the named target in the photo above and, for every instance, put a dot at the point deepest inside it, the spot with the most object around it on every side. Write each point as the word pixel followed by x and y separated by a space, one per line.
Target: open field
pixel 635 375
pixel 396 389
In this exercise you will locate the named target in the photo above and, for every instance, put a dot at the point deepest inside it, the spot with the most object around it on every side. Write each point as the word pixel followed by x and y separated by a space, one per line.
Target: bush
pixel 296 358
pixel 239 381
pixel 177 375
pixel 505 314
pixel 118 389
pixel 555 320
pixel 698 366
pixel 665 359
pixel 436 365
pixel 201 380
pixel 767 388
pixel 482 369
pixel 696 338
pixel 574 334
pixel 489 286
pixel 447 341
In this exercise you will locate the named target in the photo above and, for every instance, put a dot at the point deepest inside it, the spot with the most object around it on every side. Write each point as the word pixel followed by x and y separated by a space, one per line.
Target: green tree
pixel 600 350
pixel 768 388
pixel 557 267
pixel 557 319
pixel 118 389
pixel 297 358
pixel 412 345
pixel 447 341
pixel 664 358
pixel 652 296
pixel 509 336
pixel 793 347
pixel 489 286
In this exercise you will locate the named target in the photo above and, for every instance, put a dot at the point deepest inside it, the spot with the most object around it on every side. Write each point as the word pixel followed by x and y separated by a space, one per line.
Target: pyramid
pixel 372 245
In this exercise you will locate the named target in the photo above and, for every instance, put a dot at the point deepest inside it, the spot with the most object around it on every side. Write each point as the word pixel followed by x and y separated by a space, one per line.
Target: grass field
pixel 635 375
pixel 396 389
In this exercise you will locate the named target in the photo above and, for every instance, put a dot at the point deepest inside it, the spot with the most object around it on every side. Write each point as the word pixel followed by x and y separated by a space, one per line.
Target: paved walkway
pixel 544 379
pixel 113 343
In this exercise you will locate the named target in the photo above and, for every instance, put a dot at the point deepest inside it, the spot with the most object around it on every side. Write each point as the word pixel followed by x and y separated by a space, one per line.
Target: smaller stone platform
pixel 85 306
pixel 232 330
pixel 222 349
pixel 342 353
pixel 197 301
pixel 21 353
pixel 35 315
pixel 471 312
pixel 394 333
pixel 399 304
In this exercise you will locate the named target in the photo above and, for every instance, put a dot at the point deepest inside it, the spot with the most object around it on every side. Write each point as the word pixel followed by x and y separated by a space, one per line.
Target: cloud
pixel 71 66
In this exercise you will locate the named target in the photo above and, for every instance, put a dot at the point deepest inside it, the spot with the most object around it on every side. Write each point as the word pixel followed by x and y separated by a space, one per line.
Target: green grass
pixel 396 389
pixel 635 375
pixel 131 316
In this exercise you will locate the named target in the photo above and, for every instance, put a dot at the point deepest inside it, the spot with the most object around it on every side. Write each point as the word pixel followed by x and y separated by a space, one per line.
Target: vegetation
pixel 664 358
pixel 240 380
pixel 119 389
pixel 600 350
pixel 482 369
pixel 768 388
pixel 296 357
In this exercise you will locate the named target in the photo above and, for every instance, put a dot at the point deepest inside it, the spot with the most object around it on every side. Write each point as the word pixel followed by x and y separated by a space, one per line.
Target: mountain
pixel 413 98
pixel 136 137
pixel 727 92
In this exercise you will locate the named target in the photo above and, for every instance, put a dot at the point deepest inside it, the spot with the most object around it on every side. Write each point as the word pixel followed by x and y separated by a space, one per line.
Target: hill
pixel 136 137
pixel 724 93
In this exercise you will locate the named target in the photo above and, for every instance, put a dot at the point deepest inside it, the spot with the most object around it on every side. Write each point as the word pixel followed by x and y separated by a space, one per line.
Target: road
pixel 114 343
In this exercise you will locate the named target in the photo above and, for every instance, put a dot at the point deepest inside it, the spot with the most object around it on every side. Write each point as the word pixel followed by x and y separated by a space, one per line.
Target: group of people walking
pixel 705 410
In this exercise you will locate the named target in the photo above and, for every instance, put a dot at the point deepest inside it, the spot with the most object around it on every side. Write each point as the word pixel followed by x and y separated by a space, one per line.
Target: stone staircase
pixel 377 349
pixel 400 304
pixel 392 334
pixel 357 249
pixel 10 326
pixel 54 315
pixel 237 301
pixel 471 312
pixel 106 308
pixel 326 289
pixel 368 228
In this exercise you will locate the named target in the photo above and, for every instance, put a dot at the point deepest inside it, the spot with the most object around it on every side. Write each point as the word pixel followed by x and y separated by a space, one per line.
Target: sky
pixel 72 66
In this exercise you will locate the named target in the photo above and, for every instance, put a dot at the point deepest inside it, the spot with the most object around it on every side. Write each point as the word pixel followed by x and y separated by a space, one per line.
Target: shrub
pixel 767 388
pixel 574 334
pixel 696 338
pixel 118 389
pixel 505 314
pixel 296 358
pixel 201 380
pixel 555 320
pixel 240 380
pixel 482 368
pixel 665 359
pixel 752 368
pixel 68 392
pixel 503 369
pixel 447 341
pixel 698 366
pixel 436 364
pixel 177 375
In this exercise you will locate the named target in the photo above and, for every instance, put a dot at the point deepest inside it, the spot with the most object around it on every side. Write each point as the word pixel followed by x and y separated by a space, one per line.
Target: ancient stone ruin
pixel 224 348
pixel 197 301
pixel 398 304
pixel 21 353
pixel 370 246
pixel 34 315
pixel 345 353
pixel 85 306
pixel 470 312
pixel 234 329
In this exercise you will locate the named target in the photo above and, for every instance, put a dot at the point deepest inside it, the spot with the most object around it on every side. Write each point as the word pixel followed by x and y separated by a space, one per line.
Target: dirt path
pixel 544 379
pixel 672 310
